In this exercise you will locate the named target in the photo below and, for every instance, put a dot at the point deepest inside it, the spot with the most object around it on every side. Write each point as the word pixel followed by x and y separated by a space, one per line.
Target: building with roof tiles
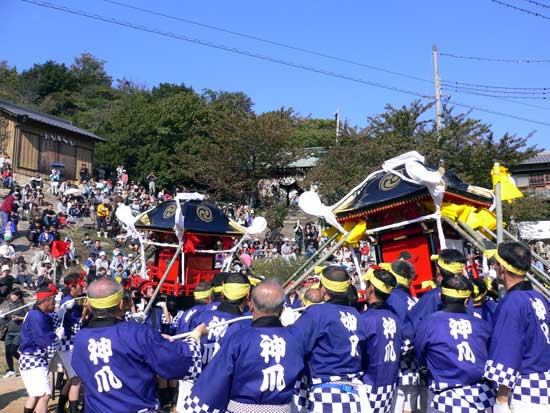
pixel 34 141
pixel 533 175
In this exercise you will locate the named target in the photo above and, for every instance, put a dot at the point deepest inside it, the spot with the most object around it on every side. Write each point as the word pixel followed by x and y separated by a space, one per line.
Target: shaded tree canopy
pixel 214 141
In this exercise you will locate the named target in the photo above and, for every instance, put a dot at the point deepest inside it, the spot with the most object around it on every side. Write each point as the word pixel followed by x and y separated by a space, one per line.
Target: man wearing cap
pixel 6 282
pixel 332 338
pixel 118 361
pixel 453 345
pixel 255 370
pixel 519 355
pixel 39 342
pixel 400 299
pixel 102 261
pixel 286 249
pixel 71 312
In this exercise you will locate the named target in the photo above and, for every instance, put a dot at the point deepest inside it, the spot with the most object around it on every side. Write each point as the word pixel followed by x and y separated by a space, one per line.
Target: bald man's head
pixel 102 288
pixel 268 298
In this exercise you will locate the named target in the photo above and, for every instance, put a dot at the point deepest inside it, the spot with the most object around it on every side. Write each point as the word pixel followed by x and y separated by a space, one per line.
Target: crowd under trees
pixel 214 141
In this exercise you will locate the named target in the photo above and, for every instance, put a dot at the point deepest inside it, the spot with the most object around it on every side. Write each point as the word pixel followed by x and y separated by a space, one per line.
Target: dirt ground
pixel 12 391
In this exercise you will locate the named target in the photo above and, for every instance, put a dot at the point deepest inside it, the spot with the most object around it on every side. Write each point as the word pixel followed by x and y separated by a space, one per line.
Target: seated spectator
pixel 102 262
pixel 22 275
pixel 35 229
pixel 97 248
pixel 87 241
pixel 46 235
pixel 6 283
pixel 7 252
pixel 36 181
pixel 7 179
pixel 45 275
pixel 49 217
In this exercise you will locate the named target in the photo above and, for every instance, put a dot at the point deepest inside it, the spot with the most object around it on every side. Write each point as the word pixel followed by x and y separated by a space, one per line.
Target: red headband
pixel 45 294
pixel 144 287
pixel 79 282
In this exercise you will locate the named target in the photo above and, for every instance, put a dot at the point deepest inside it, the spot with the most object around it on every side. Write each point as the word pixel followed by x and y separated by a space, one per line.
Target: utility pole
pixel 337 118
pixel 437 83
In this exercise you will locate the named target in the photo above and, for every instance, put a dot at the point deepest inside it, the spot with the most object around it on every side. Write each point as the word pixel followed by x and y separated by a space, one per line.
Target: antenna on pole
pixel 437 83
pixel 337 118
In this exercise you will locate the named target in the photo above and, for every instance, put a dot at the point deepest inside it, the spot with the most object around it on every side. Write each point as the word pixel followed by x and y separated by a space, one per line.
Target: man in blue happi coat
pixel 234 298
pixel 382 347
pixel 484 307
pixel 519 355
pixel 40 339
pixel 332 337
pixel 71 312
pixel 202 296
pixel 405 399
pixel 118 361
pixel 454 345
pixel 255 370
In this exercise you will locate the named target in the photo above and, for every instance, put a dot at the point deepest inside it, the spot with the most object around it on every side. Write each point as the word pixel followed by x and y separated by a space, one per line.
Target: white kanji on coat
pixel 539 308
pixel 272 348
pixel 348 320
pixel 460 327
pixel 274 378
pixel 390 327
pixel 106 380
pixel 100 349
pixel 465 352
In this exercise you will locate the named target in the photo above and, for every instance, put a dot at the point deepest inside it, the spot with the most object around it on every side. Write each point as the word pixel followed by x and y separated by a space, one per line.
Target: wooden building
pixel 533 175
pixel 35 140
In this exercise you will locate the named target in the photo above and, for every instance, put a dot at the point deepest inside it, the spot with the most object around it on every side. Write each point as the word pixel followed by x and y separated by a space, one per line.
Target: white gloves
pixel 288 317
pixel 69 304
pixel 139 316
pixel 501 408
pixel 60 332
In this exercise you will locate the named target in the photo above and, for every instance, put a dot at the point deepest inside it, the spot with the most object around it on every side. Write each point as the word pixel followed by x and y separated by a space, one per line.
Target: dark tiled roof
pixel 46 119
pixel 543 157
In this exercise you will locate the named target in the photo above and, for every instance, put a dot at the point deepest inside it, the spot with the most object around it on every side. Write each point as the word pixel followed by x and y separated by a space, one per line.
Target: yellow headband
pixel 451 292
pixel 453 267
pixel 336 286
pixel 106 302
pixel 399 278
pixel 254 281
pixel 477 295
pixel 509 267
pixel 235 291
pixel 379 285
pixel 217 289
pixel 202 295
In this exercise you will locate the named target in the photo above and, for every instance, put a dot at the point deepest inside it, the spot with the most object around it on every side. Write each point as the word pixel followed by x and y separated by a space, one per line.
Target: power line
pixel 536 3
pixel 272 42
pixel 505 99
pixel 264 57
pixel 477 85
pixel 507 93
pixel 511 6
pixel 488 59
pixel 489 94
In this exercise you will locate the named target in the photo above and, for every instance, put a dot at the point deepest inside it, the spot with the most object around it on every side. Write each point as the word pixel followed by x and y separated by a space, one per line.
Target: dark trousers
pixel 101 223
pixel 12 345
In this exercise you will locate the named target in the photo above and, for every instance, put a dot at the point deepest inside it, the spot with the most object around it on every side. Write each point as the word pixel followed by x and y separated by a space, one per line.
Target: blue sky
pixel 396 35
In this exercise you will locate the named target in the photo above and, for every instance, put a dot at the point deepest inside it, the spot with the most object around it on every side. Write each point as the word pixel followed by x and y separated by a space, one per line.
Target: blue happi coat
pixel 118 362
pixel 333 341
pixel 401 301
pixel 210 344
pixel 182 320
pixel 429 303
pixel 38 340
pixel 256 368
pixel 486 311
pixel 519 355
pixel 454 347
pixel 71 323
pixel 380 358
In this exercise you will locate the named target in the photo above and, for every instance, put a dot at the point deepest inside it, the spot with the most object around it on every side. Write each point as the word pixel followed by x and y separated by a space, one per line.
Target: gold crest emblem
pixel 169 212
pixel 204 214
pixel 389 182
